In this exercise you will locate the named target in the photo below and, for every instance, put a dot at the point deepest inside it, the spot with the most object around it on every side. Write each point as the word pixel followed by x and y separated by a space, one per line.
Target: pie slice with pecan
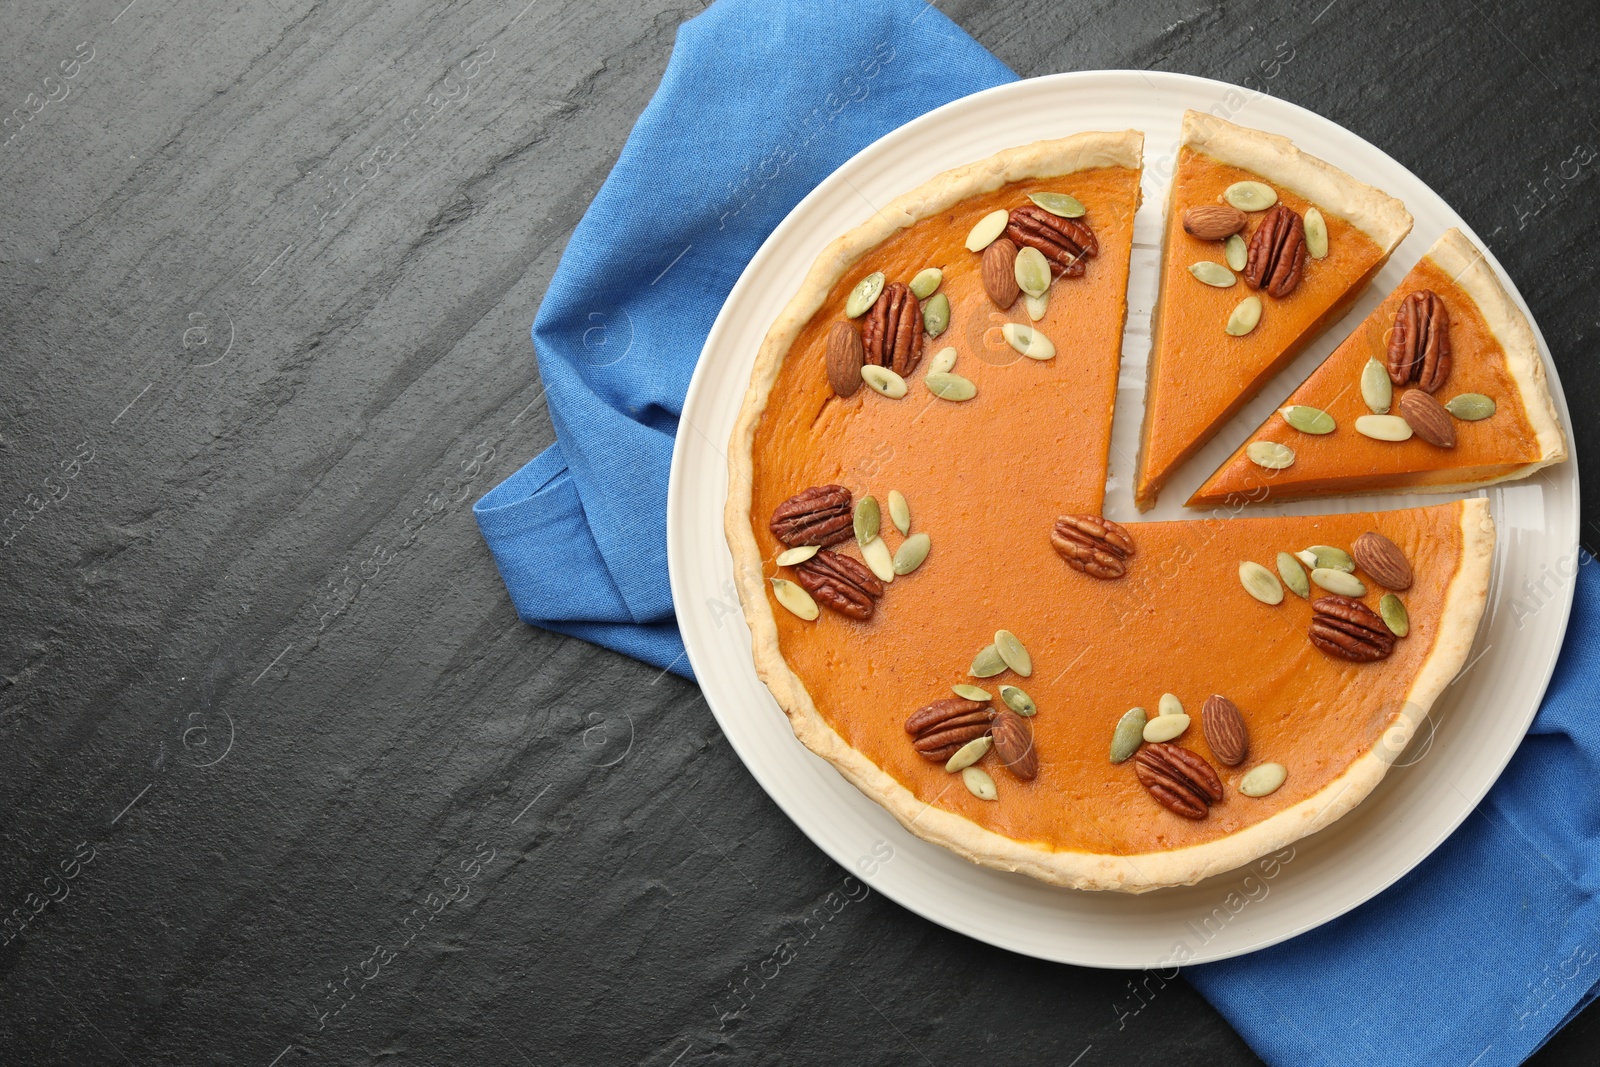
pixel 1265 247
pixel 941 610
pixel 1441 388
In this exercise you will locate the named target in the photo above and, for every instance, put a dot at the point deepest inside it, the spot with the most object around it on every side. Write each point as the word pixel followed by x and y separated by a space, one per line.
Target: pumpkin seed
pixel 970 692
pixel 1394 613
pixel 936 315
pixel 1308 420
pixel 1263 780
pixel 868 519
pixel 796 555
pixel 1165 727
pixel 926 281
pixel 1212 273
pixel 1016 657
pixel 1376 388
pixel 969 753
pixel 1383 427
pixel 912 551
pixel 949 386
pixel 796 599
pixel 942 361
pixel 979 784
pixel 1250 196
pixel 1270 454
pixel 1032 271
pixel 1061 204
pixel 1244 317
pixel 884 381
pixel 1018 701
pixel 1037 306
pixel 864 295
pixel 1339 582
pixel 1470 407
pixel 1260 582
pixel 1294 575
pixel 987 663
pixel 1128 734
pixel 988 228
pixel 876 553
pixel 1170 704
pixel 1027 340
pixel 1316 234
pixel 899 511
pixel 1235 252
pixel 1336 559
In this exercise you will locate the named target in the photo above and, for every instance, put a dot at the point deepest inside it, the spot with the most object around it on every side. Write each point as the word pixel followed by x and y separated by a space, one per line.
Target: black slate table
pixel 282 779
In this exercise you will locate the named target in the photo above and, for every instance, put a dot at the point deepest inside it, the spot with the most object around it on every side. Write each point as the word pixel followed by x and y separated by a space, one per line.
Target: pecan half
pixel 820 515
pixel 1345 627
pixel 1098 547
pixel 1278 253
pixel 892 336
pixel 945 725
pixel 1066 243
pixel 1013 743
pixel 840 583
pixel 1180 780
pixel 1419 344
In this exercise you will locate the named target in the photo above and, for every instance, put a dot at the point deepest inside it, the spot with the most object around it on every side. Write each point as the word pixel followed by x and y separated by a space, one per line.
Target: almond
pixel 1013 743
pixel 1213 222
pixel 1000 273
pixel 1382 559
pixel 845 356
pixel 1225 731
pixel 1428 418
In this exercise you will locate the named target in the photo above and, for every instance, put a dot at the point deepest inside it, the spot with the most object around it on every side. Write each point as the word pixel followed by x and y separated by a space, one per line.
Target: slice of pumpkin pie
pixel 1265 247
pixel 1441 388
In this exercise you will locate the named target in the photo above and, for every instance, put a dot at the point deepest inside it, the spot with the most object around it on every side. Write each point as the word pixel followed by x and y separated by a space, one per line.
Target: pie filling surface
pixel 988 480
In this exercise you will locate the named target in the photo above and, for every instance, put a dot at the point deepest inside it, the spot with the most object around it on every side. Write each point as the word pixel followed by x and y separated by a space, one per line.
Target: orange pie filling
pixel 1199 375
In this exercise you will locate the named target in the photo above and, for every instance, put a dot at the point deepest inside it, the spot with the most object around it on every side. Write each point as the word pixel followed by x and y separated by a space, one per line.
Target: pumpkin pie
pixel 1265 247
pixel 938 606
pixel 1441 388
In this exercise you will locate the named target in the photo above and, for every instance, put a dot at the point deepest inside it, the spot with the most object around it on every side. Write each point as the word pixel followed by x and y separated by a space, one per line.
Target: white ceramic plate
pixel 1477 723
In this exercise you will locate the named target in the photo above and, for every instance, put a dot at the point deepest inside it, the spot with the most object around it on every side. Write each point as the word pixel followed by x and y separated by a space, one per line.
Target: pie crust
pixel 1460 602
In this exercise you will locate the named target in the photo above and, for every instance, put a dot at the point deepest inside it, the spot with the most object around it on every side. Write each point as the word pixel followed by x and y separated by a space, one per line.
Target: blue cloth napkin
pixel 1485 950
pixel 762 100
pixel 1474 959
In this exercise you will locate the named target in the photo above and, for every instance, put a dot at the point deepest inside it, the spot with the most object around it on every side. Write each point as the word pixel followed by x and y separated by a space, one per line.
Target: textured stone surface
pixel 256 661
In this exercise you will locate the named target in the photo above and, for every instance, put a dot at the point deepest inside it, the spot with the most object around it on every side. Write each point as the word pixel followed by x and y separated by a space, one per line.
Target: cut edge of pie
pixel 1469 269
pixel 1277 160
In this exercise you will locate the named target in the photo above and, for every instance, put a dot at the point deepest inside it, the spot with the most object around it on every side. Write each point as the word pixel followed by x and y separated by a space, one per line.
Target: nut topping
pixel 845 357
pixel 1066 243
pixel 1427 418
pixel 1382 558
pixel 944 726
pixel 1098 547
pixel 1419 344
pixel 1180 780
pixel 819 516
pixel 1347 628
pixel 1225 731
pixel 892 337
pixel 1277 252
pixel 840 583
pixel 1013 743
pixel 1213 222
pixel 1000 273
